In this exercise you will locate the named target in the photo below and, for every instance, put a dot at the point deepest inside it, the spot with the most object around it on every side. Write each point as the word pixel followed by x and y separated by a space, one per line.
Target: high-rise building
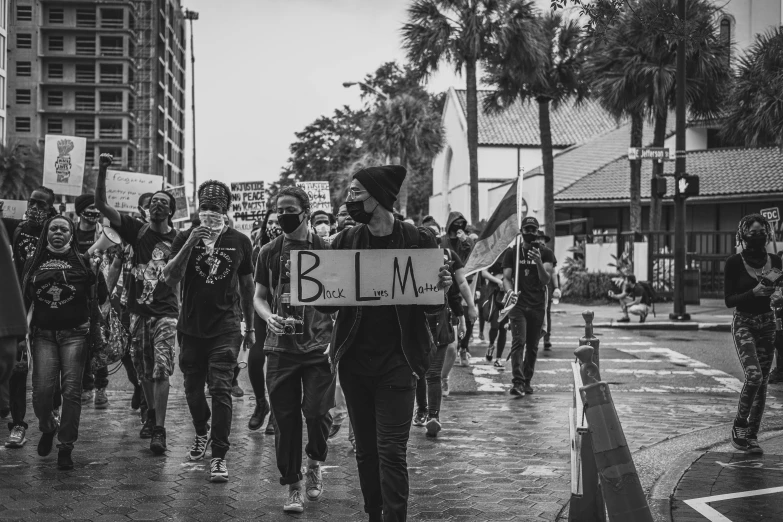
pixel 3 71
pixel 112 72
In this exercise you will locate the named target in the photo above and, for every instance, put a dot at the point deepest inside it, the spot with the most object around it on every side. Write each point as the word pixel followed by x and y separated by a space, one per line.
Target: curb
pixel 665 325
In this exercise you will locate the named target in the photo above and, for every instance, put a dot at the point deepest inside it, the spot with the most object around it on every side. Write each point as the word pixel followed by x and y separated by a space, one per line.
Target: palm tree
pixel 755 113
pixel 21 170
pixel 404 128
pixel 459 32
pixel 539 57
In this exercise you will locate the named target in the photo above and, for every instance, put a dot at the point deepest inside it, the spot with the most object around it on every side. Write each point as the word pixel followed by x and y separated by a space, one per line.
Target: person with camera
pixel 633 299
pixel 533 264
pixel 750 279
pixel 212 261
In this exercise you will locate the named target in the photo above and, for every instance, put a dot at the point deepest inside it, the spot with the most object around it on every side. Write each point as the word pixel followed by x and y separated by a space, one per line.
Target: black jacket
pixel 417 341
pixel 463 248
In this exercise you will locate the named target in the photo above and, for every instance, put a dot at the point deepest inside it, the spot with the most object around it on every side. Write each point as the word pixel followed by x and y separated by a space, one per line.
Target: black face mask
pixel 357 212
pixel 756 241
pixel 289 222
pixel 530 238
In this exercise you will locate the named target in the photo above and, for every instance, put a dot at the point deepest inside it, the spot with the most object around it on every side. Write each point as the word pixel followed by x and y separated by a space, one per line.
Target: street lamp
pixel 190 16
pixel 368 87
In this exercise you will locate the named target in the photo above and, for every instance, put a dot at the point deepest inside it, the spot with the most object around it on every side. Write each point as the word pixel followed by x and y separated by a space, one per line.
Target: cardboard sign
pixel 183 208
pixel 318 192
pixel 123 189
pixel 248 200
pixel 772 214
pixel 13 209
pixel 366 277
pixel 63 169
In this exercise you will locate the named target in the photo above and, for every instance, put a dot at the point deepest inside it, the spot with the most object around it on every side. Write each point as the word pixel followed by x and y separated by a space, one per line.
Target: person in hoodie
pixel 458 239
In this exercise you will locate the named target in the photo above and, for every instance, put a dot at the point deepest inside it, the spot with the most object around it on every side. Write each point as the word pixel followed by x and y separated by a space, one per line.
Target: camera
pixel 293 326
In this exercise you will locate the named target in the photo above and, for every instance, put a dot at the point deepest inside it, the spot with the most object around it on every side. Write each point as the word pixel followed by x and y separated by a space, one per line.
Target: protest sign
pixel 183 209
pixel 248 200
pixel 318 192
pixel 12 208
pixel 63 169
pixel 366 277
pixel 124 188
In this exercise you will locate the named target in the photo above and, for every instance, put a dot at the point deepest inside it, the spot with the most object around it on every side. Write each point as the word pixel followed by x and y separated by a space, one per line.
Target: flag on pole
pixel 501 229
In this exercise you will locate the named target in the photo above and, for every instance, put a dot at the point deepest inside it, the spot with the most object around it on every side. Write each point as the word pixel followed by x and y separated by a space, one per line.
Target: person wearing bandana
pixel 211 262
pixel 24 235
pixel 748 288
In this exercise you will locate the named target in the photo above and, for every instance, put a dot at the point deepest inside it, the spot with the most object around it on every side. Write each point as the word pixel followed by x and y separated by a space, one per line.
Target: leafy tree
pixel 21 170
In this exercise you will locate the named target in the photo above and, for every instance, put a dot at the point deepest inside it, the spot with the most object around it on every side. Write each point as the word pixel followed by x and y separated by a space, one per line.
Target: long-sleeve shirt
pixel 739 284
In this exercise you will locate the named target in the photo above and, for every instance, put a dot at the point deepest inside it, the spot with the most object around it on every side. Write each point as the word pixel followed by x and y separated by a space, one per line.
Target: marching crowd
pixel 382 368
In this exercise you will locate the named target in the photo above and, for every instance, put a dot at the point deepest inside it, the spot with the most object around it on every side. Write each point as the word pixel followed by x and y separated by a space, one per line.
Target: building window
pixel 56 15
pixel 2 51
pixel 111 73
pixel 24 96
pixel 55 71
pixel 112 46
pixel 112 18
pixel 85 45
pixel 23 124
pixel 24 41
pixel 85 101
pixel 89 156
pixel 111 129
pixel 85 17
pixel 24 13
pixel 56 43
pixel 85 73
pixel 55 98
pixel 725 36
pixel 3 21
pixel 24 69
pixel 85 128
pixel 111 101
pixel 54 126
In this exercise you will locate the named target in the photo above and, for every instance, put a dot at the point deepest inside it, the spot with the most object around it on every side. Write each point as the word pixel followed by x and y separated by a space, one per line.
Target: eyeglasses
pixel 355 193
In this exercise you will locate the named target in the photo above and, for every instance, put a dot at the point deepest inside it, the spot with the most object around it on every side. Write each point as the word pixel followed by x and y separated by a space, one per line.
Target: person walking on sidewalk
pixel 212 261
pixel 298 374
pixel 529 311
pixel 457 239
pixel 152 304
pixel 493 304
pixel 382 350
pixel 748 286
pixel 13 323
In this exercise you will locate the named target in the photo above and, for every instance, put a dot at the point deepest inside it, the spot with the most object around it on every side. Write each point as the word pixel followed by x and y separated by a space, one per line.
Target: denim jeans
pixel 526 324
pixel 17 388
pixel 380 410
pixel 214 358
pixel 299 384
pixel 59 357
pixel 429 393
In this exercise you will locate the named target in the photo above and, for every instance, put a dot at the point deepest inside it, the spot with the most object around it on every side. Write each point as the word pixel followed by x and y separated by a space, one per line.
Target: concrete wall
pixel 450 168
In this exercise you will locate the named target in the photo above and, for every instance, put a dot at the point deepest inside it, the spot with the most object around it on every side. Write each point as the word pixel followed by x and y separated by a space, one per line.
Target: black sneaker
pixel 528 389
pixel 433 426
pixel 149 425
pixel 753 445
pixel 624 320
pixel 45 443
pixel 517 390
pixel 218 471
pixel 490 352
pixel 739 435
pixel 64 461
pixel 257 419
pixel 199 447
pixel 334 430
pixel 136 399
pixel 547 347
pixel 420 419
pixel 158 442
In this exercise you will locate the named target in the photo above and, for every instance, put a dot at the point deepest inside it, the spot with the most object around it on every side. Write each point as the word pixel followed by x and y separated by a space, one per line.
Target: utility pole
pixel 679 171
pixel 190 16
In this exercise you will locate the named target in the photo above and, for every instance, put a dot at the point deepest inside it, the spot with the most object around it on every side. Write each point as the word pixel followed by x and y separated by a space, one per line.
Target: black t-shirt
pixel 210 288
pixel 739 285
pixel 377 347
pixel 147 294
pixel 532 294
pixel 59 290
pixel 85 239
pixel 24 241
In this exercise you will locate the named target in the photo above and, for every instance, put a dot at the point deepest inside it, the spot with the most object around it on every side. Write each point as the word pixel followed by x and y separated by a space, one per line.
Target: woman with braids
pixel 747 289
pixel 58 282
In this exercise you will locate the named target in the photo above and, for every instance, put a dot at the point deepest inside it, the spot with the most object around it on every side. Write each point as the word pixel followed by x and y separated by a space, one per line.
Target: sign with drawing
pixel 63 169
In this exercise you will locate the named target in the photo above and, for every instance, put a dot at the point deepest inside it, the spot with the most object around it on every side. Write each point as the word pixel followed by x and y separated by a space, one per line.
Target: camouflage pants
pixel 152 346
pixel 754 339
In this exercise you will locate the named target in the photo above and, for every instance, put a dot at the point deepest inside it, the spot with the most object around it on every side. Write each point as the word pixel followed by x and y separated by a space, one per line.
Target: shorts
pixel 152 346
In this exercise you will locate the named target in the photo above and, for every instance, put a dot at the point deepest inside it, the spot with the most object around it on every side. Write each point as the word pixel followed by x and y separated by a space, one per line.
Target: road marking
pixel 540 471
pixel 701 507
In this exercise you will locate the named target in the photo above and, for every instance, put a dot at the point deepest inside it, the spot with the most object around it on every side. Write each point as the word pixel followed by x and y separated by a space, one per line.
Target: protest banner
pixel 318 192
pixel 248 200
pixel 183 208
pixel 366 277
pixel 12 208
pixel 124 188
pixel 63 168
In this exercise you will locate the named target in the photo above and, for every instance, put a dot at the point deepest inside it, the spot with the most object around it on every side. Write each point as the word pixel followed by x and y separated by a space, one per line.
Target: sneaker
pixel 775 377
pixel 149 425
pixel 136 399
pixel 199 447
pixel 643 317
pixel 444 387
pixel 624 320
pixel 518 390
pixel 237 391
pixel 4 413
pixel 490 352
pixel 499 365
pixel 101 400
pixel 16 439
pixel 739 435
pixel 433 427
pixel 257 419
pixel 46 441
pixel 64 461
pixel 158 442
pixel 528 389
pixel 753 444
pixel 464 359
pixel 419 419
pixel 547 347
pixel 294 503
pixel 314 483
pixel 218 472
pixel 87 397
pixel 481 335
pixel 334 430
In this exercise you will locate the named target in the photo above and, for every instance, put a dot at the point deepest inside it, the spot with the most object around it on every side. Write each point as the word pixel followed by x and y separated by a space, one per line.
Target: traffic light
pixel 688 185
pixel 658 186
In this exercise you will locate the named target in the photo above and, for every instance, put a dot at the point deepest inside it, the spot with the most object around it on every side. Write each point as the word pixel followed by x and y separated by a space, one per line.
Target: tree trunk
pixel 402 197
pixel 637 129
pixel 470 72
pixel 656 204
pixel 547 160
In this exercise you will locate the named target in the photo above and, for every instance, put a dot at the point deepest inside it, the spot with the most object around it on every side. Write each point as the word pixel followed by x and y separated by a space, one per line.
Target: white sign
pixel 248 200
pixel 366 277
pixel 318 192
pixel 182 213
pixel 655 153
pixel 11 208
pixel 63 169
pixel 123 189
pixel 772 214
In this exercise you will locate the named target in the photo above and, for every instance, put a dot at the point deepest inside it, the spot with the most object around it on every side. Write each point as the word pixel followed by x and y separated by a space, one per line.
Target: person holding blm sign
pixel 212 261
pixel 382 350
pixel 153 305
pixel 299 378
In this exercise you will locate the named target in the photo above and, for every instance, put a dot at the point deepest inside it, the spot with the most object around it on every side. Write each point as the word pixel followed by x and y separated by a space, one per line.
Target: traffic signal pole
pixel 679 199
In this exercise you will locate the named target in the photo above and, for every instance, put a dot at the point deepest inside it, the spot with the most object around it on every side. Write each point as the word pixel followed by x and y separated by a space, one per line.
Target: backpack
pixel 649 295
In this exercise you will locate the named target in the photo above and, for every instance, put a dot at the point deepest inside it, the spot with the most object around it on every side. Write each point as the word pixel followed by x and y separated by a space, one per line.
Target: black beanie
pixel 82 202
pixel 383 183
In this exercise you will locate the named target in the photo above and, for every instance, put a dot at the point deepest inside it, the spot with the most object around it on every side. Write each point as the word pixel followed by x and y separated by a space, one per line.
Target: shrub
pixel 588 285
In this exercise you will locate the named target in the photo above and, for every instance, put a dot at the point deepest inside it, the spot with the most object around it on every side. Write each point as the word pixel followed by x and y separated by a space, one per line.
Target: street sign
pixel 654 153
pixel 772 214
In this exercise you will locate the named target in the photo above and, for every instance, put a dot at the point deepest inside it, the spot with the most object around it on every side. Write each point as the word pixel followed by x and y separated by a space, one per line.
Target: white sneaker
pixel 314 483
pixel 433 427
pixel 294 503
pixel 218 472
pixel 16 439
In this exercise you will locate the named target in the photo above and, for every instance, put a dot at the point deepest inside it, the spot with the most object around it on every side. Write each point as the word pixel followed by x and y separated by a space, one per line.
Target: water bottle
pixel 556 297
